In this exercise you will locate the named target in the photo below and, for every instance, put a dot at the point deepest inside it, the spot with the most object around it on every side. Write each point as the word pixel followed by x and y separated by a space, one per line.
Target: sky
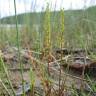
pixel 22 6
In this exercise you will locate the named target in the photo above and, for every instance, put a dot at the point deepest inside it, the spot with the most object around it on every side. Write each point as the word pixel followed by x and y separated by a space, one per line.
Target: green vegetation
pixel 35 36
pixel 78 23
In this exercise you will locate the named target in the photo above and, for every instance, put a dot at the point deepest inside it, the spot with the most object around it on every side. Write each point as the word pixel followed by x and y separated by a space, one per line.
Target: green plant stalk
pixel 93 87
pixel 18 45
pixel 61 43
pixel 85 47
pixel 47 29
pixel 74 92
pixel 5 87
pixel 32 80
pixel 6 72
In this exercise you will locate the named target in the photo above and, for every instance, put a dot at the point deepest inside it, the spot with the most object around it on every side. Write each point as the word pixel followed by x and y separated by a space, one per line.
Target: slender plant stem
pixel 7 75
pixel 18 45
pixel 5 87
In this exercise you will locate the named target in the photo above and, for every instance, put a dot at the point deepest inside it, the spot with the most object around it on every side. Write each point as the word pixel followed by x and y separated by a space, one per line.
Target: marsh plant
pixel 40 40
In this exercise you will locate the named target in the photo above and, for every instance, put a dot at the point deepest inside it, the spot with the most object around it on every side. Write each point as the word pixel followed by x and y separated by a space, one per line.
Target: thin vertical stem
pixel 7 75
pixel 18 45
pixel 61 44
